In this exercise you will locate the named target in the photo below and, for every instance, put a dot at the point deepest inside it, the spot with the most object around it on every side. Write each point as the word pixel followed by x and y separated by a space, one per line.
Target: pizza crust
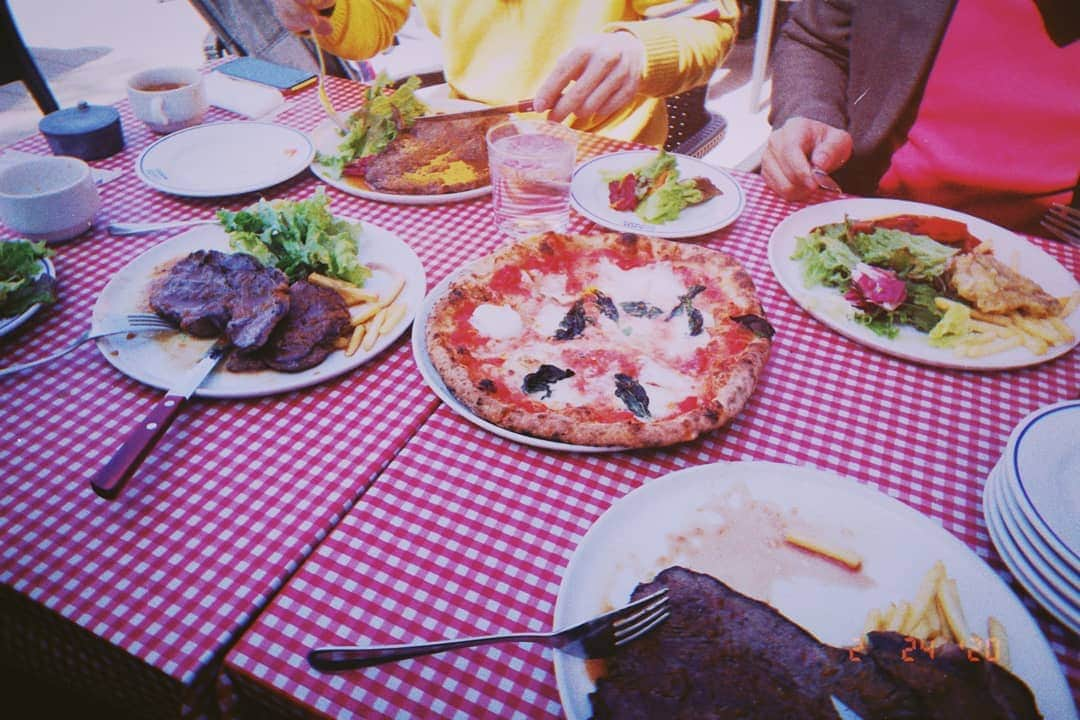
pixel 485 373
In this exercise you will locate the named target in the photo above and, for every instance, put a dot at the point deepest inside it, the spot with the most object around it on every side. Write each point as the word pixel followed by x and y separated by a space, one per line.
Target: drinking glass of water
pixel 531 162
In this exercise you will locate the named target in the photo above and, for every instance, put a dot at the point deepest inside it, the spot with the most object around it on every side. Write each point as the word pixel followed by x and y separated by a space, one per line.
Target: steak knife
pixel 110 480
pixel 518 107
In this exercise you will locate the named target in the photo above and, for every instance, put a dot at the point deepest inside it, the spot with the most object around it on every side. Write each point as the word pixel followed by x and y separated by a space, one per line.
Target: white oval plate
pixel 326 138
pixel 828 305
pixel 1026 567
pixel 226 158
pixel 10 324
pixel 589 196
pixel 1044 457
pixel 897 544
pixel 435 381
pixel 158 360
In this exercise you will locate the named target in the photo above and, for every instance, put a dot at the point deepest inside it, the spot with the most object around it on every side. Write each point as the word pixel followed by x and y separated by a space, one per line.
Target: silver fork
pixel 133 323
pixel 1064 222
pixel 591 639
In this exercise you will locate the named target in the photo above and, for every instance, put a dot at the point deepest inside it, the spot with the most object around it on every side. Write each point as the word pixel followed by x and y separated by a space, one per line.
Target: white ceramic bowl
pixel 48 198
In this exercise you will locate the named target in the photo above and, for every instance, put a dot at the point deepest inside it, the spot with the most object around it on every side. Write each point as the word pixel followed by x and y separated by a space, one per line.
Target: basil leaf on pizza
pixel 606 339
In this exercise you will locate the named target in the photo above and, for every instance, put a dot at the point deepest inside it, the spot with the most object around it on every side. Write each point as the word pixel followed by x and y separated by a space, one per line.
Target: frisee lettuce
pixel 377 123
pixel 22 280
pixel 298 237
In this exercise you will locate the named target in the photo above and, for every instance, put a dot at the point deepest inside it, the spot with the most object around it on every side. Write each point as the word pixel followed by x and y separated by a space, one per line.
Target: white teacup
pixel 48 198
pixel 168 98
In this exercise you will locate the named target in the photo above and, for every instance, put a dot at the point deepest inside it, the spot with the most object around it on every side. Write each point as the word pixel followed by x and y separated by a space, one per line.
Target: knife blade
pixel 843 710
pixel 110 479
pixel 518 107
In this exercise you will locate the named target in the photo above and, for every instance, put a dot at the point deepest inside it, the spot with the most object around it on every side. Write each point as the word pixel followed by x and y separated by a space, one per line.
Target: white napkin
pixel 240 96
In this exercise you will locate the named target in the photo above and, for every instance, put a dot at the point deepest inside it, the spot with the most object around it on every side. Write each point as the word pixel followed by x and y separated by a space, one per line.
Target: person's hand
pixel 798 147
pixel 594 79
pixel 302 15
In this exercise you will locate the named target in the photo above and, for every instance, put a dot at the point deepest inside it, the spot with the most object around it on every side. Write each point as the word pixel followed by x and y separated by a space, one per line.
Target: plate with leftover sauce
pixel 327 137
pixel 967 343
pixel 158 359
pixel 13 322
pixel 729 519
pixel 589 196
pixel 224 158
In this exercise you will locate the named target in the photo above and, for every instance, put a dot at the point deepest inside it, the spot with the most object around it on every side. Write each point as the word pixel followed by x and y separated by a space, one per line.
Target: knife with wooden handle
pixel 110 480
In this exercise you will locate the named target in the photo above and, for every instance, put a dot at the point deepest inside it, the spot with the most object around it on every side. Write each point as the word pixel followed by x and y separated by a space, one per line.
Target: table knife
pixel 518 107
pixel 844 712
pixel 110 480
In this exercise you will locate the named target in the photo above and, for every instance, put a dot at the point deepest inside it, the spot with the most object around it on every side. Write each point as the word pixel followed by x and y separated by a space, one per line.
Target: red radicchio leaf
pixel 621 193
pixel 876 286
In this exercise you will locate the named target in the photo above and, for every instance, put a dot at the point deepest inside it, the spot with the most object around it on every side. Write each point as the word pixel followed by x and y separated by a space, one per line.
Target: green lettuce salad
pixel 891 277
pixel 298 237
pixel 377 123
pixel 654 191
pixel 22 282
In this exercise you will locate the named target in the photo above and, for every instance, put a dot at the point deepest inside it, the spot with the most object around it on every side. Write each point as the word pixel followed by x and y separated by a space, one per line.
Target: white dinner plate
pixel 897 544
pixel 435 381
pixel 327 137
pixel 225 158
pixel 1026 567
pixel 1044 457
pixel 589 196
pixel 9 324
pixel 1036 555
pixel 829 306
pixel 158 360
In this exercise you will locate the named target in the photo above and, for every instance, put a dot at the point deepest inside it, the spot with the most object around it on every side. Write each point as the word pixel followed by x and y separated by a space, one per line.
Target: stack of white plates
pixel 1032 508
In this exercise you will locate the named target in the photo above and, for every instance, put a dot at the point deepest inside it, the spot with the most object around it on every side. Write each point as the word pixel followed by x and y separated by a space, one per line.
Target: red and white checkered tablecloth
pixel 468 533
pixel 138 598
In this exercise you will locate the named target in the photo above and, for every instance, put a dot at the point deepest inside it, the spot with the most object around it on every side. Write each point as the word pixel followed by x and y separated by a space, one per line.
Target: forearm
pixel 810 64
pixel 682 52
pixel 363 28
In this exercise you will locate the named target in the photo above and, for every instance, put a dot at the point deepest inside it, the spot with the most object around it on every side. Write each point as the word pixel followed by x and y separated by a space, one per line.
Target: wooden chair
pixel 16 63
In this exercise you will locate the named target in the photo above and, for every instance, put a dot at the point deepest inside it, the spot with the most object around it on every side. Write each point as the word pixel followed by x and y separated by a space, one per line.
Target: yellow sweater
pixel 500 51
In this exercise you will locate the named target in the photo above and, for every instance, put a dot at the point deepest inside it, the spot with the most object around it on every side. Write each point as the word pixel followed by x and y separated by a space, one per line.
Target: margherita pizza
pixel 605 339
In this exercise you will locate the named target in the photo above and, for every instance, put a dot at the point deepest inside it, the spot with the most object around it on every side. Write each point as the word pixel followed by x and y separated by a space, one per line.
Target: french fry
pixel 991 318
pixel 1001 345
pixel 395 290
pixel 393 316
pixel 873 621
pixel 1063 330
pixel 362 313
pixel 341 343
pixel 371 331
pixel 1035 330
pixel 842 555
pixel 351 294
pixel 888 617
pixel 923 604
pixel 1068 304
pixel 998 642
pixel 354 340
pixel 948 602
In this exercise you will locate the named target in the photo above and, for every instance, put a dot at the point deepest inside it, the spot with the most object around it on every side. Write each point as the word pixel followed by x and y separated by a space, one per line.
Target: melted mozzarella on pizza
pixel 651 349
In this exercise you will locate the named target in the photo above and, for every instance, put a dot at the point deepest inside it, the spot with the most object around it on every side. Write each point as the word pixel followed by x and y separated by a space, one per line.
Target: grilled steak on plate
pixel 722 654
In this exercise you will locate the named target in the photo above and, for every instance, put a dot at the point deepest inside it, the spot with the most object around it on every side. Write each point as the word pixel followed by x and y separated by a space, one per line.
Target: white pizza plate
pixel 589 196
pixel 9 324
pixel 158 359
pixel 897 544
pixel 1025 564
pixel 829 306
pixel 434 380
pixel 225 158
pixel 327 137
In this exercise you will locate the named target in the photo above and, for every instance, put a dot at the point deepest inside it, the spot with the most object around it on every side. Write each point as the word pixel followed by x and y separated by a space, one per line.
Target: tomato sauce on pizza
pixel 602 339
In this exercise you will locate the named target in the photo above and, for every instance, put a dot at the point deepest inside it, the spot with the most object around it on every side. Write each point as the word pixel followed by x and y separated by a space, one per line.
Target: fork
pixel 133 323
pixel 593 638
pixel 1063 222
